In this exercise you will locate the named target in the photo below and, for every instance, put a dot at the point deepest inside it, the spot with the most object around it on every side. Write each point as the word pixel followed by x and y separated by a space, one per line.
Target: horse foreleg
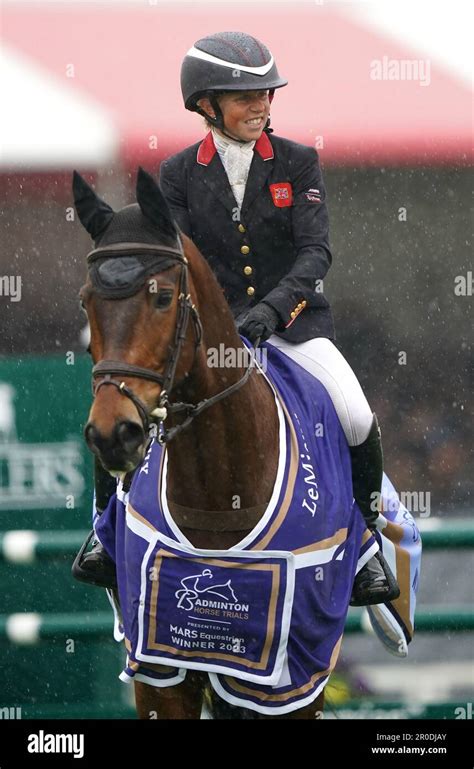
pixel 177 702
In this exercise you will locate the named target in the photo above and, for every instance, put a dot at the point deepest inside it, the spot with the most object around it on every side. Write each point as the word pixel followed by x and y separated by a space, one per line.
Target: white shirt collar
pixel 222 143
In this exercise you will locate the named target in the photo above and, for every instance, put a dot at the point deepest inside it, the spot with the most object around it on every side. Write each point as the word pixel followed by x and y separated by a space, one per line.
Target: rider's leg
pixel 96 567
pixel 321 358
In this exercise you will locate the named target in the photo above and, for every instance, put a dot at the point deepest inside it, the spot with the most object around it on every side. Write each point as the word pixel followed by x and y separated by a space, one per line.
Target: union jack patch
pixel 282 194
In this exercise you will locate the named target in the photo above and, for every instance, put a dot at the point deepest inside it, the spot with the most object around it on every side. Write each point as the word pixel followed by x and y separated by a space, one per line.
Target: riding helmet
pixel 226 61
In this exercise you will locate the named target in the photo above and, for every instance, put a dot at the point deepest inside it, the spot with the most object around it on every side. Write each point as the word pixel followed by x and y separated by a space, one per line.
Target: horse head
pixel 138 301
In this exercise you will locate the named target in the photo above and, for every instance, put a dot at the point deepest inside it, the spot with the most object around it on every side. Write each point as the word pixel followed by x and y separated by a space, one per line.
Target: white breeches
pixel 321 358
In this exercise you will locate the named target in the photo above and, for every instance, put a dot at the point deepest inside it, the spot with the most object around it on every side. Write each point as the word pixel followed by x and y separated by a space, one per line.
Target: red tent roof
pixel 129 60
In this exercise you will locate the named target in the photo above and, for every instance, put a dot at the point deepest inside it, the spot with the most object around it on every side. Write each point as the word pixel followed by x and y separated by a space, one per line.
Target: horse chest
pixel 212 540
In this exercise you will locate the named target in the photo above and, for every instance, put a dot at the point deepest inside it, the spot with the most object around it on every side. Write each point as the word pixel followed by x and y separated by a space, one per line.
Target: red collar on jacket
pixel 207 149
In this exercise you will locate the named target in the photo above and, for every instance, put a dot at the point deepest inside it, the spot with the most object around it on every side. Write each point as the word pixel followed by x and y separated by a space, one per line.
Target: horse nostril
pixel 130 435
pixel 91 434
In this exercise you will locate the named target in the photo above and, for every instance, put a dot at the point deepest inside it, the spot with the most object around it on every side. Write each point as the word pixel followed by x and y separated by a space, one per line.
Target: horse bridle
pixel 107 370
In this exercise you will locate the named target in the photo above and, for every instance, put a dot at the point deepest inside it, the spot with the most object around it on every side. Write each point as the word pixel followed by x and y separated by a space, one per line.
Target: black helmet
pixel 226 61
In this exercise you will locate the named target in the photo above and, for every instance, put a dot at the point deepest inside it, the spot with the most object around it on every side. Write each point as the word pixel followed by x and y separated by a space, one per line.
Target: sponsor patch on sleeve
pixel 313 195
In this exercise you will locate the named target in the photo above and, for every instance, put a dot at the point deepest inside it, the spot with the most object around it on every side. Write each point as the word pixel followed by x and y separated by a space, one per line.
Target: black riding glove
pixel 261 321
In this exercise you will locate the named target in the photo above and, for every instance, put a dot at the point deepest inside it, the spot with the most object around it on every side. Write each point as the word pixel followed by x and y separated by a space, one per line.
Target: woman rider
pixel 255 206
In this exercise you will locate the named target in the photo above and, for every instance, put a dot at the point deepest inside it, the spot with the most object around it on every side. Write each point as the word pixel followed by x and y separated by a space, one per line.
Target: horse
pixel 156 311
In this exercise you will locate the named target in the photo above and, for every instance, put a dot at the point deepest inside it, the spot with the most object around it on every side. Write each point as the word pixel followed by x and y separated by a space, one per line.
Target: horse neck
pixel 227 457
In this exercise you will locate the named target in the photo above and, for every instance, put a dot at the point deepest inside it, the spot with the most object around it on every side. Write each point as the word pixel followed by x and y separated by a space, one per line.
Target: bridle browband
pixel 109 369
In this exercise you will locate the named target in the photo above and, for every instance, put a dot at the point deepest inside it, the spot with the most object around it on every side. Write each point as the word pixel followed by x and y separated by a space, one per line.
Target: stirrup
pixel 107 578
pixel 369 588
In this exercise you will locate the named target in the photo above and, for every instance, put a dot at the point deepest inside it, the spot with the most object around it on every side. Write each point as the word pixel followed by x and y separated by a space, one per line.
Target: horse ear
pixel 95 214
pixel 153 204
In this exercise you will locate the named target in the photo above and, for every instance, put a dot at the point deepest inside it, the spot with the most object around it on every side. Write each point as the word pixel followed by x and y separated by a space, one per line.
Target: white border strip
pixel 374 548
pixel 160 682
pixel 277 710
pixel 252 536
pixel 388 630
pixel 317 557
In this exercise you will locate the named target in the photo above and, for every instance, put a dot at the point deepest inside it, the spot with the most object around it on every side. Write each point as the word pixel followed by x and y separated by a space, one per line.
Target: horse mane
pixel 211 295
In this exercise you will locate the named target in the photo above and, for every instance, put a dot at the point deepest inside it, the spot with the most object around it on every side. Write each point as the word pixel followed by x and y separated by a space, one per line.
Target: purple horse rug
pixel 264 619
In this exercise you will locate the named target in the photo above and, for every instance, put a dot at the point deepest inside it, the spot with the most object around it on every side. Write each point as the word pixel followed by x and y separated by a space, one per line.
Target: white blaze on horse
pixel 187 440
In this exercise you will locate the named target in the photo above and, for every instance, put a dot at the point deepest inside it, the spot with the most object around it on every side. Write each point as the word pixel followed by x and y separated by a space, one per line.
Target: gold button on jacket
pixel 244 249
pixel 248 270
pixel 250 291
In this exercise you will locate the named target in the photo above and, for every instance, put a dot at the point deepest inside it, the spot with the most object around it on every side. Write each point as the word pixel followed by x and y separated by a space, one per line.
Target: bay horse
pixel 149 346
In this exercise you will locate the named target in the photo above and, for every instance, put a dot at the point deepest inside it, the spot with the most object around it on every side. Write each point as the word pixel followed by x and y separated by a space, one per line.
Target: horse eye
pixel 163 298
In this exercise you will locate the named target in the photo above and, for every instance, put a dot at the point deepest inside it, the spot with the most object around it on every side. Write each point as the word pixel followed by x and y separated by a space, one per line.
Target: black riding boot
pixel 96 567
pixel 375 582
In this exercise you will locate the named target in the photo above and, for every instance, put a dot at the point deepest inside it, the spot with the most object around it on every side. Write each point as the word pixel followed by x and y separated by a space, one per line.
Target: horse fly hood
pixel 116 276
pixel 146 234
pixel 126 250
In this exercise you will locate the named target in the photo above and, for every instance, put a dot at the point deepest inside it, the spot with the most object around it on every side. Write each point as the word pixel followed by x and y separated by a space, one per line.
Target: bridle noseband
pixel 104 372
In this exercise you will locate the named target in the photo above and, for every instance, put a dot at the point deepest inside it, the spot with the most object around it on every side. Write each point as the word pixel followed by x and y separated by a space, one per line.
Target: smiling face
pixel 245 112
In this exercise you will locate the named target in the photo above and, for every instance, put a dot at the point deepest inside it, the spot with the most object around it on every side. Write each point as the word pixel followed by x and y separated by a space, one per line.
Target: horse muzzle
pixel 122 450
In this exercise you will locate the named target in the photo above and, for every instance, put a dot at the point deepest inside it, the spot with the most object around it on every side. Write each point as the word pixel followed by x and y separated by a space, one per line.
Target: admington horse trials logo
pixel 220 598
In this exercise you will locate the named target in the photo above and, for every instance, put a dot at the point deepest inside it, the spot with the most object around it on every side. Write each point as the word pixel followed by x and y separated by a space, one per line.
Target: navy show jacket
pixel 276 248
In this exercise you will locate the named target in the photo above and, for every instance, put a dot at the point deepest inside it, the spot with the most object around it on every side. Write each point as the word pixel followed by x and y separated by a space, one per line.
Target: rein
pixel 104 372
